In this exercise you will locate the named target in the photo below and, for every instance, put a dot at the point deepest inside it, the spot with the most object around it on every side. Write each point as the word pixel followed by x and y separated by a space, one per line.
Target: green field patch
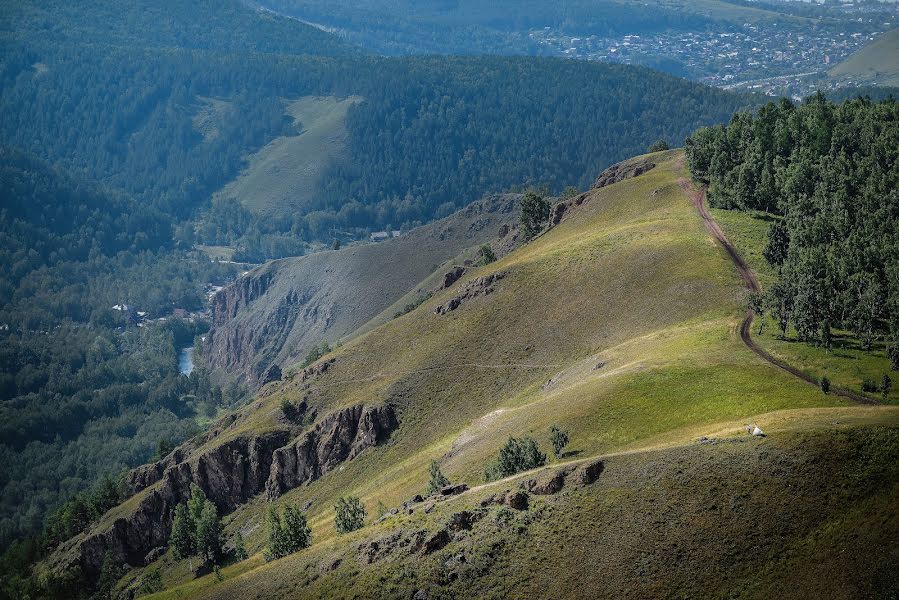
pixel 285 176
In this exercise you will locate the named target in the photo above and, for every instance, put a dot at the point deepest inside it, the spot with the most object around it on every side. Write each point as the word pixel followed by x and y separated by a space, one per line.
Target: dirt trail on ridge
pixel 752 284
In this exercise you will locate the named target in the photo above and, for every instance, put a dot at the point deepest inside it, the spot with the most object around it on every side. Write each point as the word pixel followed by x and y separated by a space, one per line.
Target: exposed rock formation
pixel 340 436
pixel 273 373
pixel 480 286
pixel 562 209
pixel 228 474
pixel 451 277
pixel 276 313
pixel 621 171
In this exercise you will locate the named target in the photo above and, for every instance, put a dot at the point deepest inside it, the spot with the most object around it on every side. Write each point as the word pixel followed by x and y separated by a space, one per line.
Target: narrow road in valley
pixel 752 284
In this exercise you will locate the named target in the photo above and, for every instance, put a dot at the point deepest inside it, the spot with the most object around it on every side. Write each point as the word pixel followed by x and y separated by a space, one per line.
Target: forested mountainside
pixel 386 468
pixel 85 392
pixel 228 26
pixel 830 174
pixel 171 121
pixel 143 112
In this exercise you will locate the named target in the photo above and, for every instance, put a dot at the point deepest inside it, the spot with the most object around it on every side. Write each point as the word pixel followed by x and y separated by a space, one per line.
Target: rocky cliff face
pixel 230 474
pixel 341 436
pixel 277 312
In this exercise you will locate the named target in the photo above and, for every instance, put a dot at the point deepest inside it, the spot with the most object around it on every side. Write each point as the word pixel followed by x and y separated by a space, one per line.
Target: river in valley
pixel 186 360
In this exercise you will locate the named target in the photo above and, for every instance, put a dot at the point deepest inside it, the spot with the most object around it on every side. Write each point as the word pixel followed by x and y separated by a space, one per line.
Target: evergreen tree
pixel 182 539
pixel 276 547
pixel 110 572
pixel 515 456
pixel 559 439
pixel 209 536
pixel 240 548
pixel 195 504
pixel 534 214
pixel 296 531
pixel 289 536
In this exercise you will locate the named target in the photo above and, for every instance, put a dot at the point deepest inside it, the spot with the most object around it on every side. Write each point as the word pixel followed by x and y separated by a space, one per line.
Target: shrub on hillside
pixel 868 385
pixel 659 146
pixel 288 535
pixel 486 255
pixel 559 439
pixel 886 384
pixel 825 385
pixel 893 354
pixel 349 514
pixel 409 307
pixel 516 456
pixel 316 353
pixel 437 480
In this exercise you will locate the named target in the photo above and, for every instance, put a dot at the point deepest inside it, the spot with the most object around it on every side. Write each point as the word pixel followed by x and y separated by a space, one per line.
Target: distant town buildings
pixel 776 58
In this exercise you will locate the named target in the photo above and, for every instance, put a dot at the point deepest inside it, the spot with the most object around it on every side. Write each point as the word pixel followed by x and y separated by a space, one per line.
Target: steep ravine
pixel 277 312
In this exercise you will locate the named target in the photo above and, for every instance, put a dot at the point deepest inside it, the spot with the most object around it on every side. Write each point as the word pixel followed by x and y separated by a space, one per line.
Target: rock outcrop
pixel 228 474
pixel 621 171
pixel 277 312
pixel 340 436
pixel 480 286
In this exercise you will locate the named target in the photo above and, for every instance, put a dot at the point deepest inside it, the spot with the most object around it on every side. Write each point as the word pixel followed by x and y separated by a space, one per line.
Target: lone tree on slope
pixel 534 214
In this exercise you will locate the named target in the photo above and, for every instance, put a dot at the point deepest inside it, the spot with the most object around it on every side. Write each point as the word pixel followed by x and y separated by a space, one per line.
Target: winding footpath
pixel 752 284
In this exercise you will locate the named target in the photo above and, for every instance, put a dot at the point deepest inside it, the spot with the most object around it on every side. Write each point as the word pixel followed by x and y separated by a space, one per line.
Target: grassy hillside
pixel 878 62
pixel 620 325
pixel 286 175
pixel 794 515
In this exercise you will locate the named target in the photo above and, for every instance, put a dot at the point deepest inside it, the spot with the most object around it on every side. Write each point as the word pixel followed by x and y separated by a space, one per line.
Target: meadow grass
pixel 630 281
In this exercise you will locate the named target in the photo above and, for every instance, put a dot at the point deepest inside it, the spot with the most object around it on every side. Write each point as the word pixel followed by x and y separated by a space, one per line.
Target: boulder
pixel 273 373
pixel 589 472
pixel 547 483
pixel 154 554
pixel 621 171
pixel 437 541
pixel 452 276
pixel 517 500
pixel 453 490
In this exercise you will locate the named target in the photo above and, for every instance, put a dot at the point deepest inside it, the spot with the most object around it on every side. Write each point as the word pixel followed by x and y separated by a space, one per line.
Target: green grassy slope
pixel 632 281
pixel 847 365
pixel 878 62
pixel 794 515
pixel 284 177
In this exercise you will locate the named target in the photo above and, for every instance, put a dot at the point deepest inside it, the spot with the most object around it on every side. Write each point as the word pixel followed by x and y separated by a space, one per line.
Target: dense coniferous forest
pixel 83 391
pixel 830 172
pixel 200 25
pixel 500 122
